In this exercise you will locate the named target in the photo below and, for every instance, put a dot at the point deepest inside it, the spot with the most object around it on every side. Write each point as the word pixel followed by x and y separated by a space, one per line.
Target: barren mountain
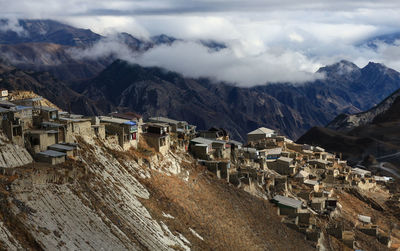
pixel 44 84
pixel 292 109
pixel 114 200
pixel 374 132
pixel 47 31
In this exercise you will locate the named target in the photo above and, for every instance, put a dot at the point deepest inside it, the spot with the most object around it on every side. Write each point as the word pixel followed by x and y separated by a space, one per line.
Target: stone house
pixel 250 153
pixel 260 134
pixel 215 133
pixel 318 204
pixel 126 130
pixel 98 129
pixel 176 125
pixel 39 140
pixel 209 149
pixel 157 136
pixel 48 113
pixel 51 157
pixel 283 166
pixel 32 102
pixel 13 127
pixel 201 148
pixel 286 205
pixel 273 153
pixel 319 163
pixel 74 126
pixel 67 149
pixel 360 173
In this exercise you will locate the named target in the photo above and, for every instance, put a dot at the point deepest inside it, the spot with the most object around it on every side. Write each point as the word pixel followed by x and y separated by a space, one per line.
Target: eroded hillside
pixel 107 199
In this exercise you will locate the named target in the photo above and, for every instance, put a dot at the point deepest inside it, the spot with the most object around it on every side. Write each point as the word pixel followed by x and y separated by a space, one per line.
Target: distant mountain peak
pixel 46 31
pixel 163 39
pixel 341 69
pixel 372 65
pixel 343 66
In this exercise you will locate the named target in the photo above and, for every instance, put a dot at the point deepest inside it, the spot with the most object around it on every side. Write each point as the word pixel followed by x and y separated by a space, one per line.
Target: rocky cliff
pixel 12 155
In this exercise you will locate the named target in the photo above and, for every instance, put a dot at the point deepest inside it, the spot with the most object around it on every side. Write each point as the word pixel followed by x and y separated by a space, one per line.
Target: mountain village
pixel 304 182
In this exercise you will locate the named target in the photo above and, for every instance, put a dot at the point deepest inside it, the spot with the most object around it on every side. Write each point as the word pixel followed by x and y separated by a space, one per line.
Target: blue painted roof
pixel 130 123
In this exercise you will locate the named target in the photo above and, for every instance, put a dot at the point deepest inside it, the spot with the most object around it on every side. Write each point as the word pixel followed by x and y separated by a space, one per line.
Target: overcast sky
pixel 269 40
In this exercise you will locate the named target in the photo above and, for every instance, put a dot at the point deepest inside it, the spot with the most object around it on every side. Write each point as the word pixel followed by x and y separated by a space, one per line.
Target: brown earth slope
pixel 109 199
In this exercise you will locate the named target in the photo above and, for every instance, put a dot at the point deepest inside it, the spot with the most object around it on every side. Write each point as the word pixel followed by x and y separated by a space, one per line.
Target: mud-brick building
pixel 38 140
pixel 75 126
pixel 260 134
pixel 157 136
pixel 287 206
pixel 51 157
pixel 126 131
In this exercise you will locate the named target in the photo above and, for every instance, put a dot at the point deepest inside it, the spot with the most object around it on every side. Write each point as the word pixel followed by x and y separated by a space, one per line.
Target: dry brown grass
pixel 227 218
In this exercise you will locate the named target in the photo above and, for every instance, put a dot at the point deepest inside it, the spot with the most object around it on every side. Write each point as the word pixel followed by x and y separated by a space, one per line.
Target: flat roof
pixel 42 131
pixel 61 147
pixel 286 201
pixel 47 108
pixel 126 115
pixel 2 110
pixel 311 182
pixel 302 174
pixel 116 120
pixel 166 120
pixel 51 124
pixel 6 103
pixel 360 171
pixel 319 161
pixel 285 159
pixel 73 120
pixel 277 150
pixel 156 124
pixel 249 149
pixel 75 145
pixel 21 107
pixel 51 153
pixel 201 140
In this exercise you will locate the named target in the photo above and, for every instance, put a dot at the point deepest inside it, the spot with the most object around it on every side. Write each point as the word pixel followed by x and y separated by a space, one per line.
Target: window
pixel 17 131
pixel 162 141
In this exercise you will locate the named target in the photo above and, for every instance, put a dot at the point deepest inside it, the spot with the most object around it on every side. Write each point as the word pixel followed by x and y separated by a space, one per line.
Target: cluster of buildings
pixel 49 134
pixel 299 179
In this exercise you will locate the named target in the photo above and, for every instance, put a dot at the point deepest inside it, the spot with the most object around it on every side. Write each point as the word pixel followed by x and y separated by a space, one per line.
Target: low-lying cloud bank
pixel 233 65
pixel 192 59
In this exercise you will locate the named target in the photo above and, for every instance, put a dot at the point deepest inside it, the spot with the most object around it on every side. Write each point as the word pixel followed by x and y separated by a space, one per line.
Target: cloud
pixel 268 40
pixel 106 47
pixel 12 24
pixel 192 59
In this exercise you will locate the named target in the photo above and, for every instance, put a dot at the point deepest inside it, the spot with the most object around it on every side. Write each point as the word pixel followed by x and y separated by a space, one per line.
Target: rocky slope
pixel 374 132
pixel 12 155
pixel 54 58
pixel 382 111
pixel 135 200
